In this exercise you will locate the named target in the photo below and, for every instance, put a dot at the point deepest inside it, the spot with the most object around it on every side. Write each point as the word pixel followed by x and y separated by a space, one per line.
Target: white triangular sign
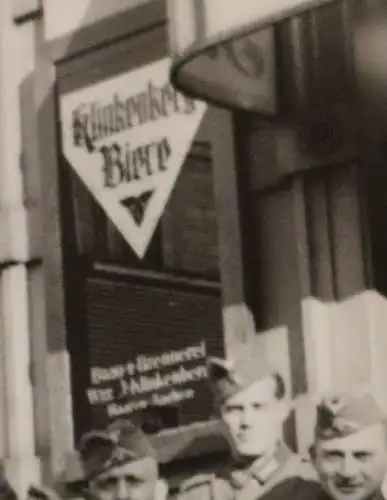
pixel 127 138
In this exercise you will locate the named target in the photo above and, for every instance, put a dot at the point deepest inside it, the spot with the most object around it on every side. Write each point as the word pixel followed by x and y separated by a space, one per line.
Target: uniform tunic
pixel 285 475
pixel 323 495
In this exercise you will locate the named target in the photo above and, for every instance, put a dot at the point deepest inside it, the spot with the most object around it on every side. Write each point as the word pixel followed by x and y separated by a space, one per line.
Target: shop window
pixel 185 241
pixel 119 307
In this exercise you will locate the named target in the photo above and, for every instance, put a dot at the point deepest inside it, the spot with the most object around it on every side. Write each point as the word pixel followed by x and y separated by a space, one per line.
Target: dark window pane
pixel 185 241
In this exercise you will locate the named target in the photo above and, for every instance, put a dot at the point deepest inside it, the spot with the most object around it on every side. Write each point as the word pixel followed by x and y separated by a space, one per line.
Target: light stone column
pixel 16 394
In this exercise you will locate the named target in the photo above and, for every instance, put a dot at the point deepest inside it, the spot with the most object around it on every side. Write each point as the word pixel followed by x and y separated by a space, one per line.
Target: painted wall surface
pixel 60 22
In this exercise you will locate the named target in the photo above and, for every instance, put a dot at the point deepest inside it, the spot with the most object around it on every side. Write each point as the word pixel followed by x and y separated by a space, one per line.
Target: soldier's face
pixel 254 418
pixel 132 481
pixel 352 467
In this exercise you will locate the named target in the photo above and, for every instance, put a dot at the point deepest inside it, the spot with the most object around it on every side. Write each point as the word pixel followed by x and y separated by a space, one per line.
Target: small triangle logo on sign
pixel 137 205
pixel 127 138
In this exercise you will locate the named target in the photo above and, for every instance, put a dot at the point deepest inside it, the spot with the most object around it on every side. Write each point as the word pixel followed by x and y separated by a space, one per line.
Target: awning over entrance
pixel 224 52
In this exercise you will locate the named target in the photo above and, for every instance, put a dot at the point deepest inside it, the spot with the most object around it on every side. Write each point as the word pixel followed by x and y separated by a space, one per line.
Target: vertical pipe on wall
pixel 16 61
pixel 238 321
pixel 60 432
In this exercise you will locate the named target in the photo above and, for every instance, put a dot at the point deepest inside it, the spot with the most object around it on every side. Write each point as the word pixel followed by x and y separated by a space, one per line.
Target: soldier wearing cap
pixel 350 448
pixel 120 464
pixel 252 405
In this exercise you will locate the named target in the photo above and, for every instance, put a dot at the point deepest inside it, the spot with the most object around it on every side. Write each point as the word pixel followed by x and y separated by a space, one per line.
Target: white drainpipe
pixel 17 440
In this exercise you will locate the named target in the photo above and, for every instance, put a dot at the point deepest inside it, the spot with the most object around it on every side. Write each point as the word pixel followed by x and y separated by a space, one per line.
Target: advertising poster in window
pixel 127 138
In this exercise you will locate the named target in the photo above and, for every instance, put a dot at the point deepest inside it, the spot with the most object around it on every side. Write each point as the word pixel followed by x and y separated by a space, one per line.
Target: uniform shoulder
pixel 303 468
pixel 196 481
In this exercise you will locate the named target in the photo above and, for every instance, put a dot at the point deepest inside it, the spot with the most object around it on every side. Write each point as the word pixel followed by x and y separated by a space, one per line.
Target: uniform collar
pixel 262 469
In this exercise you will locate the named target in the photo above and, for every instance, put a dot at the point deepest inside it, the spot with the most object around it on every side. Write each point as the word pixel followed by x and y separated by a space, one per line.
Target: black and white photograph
pixel 193 250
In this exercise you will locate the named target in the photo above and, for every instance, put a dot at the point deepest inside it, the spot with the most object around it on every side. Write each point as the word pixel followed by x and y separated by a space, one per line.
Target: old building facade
pixel 264 228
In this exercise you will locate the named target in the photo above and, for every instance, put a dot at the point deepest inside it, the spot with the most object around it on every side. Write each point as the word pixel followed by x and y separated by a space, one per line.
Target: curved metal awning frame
pixel 210 93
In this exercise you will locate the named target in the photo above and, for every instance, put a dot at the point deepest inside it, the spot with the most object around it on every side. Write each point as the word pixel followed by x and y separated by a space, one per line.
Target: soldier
pixel 120 464
pixel 251 402
pixel 350 449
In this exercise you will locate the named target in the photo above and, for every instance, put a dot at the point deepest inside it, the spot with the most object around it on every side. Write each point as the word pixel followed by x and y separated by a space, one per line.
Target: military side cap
pixel 228 377
pixel 120 443
pixel 341 415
